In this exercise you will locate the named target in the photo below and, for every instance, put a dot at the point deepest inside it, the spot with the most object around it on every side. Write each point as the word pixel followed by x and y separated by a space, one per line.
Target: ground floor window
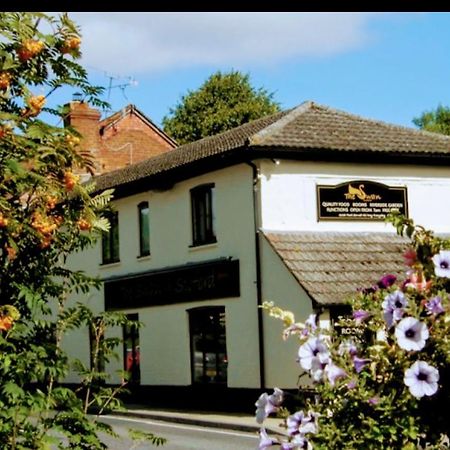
pixel 208 345
pixel 131 350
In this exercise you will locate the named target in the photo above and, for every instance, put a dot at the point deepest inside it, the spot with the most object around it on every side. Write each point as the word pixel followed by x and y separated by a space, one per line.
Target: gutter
pixel 262 366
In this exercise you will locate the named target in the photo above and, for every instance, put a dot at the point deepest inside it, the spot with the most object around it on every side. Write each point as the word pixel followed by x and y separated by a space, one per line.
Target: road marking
pixel 182 427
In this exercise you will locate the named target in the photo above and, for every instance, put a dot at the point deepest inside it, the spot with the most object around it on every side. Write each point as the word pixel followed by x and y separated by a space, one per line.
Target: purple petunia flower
pixel 421 379
pixel 434 305
pixel 411 334
pixel 267 404
pixel 386 281
pixel 394 307
pixel 293 422
pixel 374 400
pixel 359 363
pixel 311 349
pixel 348 346
pixel 301 442
pixel 334 373
pixel 442 264
pixel 318 365
pixel 360 315
pixel 265 440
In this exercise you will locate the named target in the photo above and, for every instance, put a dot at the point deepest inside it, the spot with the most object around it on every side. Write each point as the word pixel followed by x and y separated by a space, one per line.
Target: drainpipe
pixel 262 366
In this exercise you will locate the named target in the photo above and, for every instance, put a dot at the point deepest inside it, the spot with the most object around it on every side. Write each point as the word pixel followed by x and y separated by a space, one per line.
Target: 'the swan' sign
pixel 360 200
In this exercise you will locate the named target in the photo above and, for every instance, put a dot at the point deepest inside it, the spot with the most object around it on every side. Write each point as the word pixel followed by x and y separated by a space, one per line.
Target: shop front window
pixel 131 350
pixel 209 360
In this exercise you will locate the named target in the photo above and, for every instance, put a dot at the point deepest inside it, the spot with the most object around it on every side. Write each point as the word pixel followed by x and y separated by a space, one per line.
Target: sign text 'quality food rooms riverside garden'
pixel 360 200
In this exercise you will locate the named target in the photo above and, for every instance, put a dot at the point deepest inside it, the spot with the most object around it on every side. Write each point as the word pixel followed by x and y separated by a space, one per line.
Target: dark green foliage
pixel 224 101
pixel 437 121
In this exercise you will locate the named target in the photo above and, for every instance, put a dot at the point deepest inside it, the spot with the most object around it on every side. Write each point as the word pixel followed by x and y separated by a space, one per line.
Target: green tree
pixel 224 101
pixel 45 215
pixel 437 120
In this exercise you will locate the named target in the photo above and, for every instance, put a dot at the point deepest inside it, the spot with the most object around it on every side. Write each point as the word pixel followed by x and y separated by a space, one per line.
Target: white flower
pixel 311 349
pixel 267 404
pixel 318 365
pixel 411 334
pixel 442 264
pixel 422 379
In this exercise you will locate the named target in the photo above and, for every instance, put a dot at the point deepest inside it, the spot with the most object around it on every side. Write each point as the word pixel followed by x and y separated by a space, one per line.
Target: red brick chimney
pixel 86 121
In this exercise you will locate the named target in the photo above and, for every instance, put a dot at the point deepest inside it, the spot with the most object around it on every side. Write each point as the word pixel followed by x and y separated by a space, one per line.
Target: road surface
pixel 179 436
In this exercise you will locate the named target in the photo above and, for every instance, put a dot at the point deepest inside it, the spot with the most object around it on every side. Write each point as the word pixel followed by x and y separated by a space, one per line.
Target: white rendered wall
pixel 164 341
pixel 288 192
pixel 280 287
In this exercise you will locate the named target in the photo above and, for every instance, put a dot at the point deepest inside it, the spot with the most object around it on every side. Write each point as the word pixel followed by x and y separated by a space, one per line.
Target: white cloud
pixel 131 43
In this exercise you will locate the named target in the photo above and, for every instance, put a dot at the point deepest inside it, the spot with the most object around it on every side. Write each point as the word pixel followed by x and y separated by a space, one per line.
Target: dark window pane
pixel 202 215
pixel 208 345
pixel 110 240
pixel 144 229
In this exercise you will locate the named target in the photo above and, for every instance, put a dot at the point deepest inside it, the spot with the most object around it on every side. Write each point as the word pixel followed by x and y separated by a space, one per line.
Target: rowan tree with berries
pixel 45 215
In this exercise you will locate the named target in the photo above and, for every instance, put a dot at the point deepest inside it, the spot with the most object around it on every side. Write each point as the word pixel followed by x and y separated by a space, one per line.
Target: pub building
pixel 289 208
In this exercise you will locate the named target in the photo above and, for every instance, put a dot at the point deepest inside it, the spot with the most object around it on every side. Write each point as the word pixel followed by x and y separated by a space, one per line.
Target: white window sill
pixel 108 265
pixel 144 258
pixel 203 247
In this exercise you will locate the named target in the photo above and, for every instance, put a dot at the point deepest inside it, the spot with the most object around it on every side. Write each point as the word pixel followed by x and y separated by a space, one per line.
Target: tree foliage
pixel 224 101
pixel 437 120
pixel 45 215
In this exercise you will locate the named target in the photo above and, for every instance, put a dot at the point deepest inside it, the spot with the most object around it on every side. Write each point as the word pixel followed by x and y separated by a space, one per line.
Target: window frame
pixel 141 207
pixel 111 240
pixel 202 215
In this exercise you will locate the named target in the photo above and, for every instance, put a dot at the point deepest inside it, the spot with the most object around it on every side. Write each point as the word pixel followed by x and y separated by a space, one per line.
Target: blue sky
pixel 385 66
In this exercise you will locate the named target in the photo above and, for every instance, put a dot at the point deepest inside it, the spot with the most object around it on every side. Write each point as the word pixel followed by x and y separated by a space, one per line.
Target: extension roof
pixel 331 266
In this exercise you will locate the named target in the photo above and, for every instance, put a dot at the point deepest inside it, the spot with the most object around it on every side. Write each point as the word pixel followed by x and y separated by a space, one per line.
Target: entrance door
pixel 208 345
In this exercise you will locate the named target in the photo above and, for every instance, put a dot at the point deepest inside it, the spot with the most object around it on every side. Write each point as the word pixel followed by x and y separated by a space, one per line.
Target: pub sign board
pixel 191 282
pixel 360 200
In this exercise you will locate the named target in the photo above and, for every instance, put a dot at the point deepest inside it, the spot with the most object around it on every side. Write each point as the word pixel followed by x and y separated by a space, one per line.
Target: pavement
pixel 225 421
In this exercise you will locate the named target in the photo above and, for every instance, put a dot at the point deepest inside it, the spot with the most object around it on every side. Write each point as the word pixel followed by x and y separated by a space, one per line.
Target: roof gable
pixel 131 109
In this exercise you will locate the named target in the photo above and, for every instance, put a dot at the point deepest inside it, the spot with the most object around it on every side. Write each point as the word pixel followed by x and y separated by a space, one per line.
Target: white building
pixel 287 208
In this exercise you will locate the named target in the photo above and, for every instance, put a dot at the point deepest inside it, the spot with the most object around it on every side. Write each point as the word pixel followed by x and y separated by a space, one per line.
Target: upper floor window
pixel 202 215
pixel 144 229
pixel 110 240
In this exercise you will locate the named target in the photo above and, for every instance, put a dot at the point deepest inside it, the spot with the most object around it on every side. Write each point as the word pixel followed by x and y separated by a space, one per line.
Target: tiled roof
pixel 309 127
pixel 188 153
pixel 331 266
pixel 315 126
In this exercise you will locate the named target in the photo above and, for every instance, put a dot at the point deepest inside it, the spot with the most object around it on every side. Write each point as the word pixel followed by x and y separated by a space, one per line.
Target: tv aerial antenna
pixel 118 82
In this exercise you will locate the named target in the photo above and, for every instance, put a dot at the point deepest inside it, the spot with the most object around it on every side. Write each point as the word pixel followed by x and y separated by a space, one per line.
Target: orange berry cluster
pixel 70 180
pixel 34 106
pixel 3 221
pixel 29 49
pixel 46 226
pixel 71 44
pixel 73 141
pixel 5 80
pixel 6 322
